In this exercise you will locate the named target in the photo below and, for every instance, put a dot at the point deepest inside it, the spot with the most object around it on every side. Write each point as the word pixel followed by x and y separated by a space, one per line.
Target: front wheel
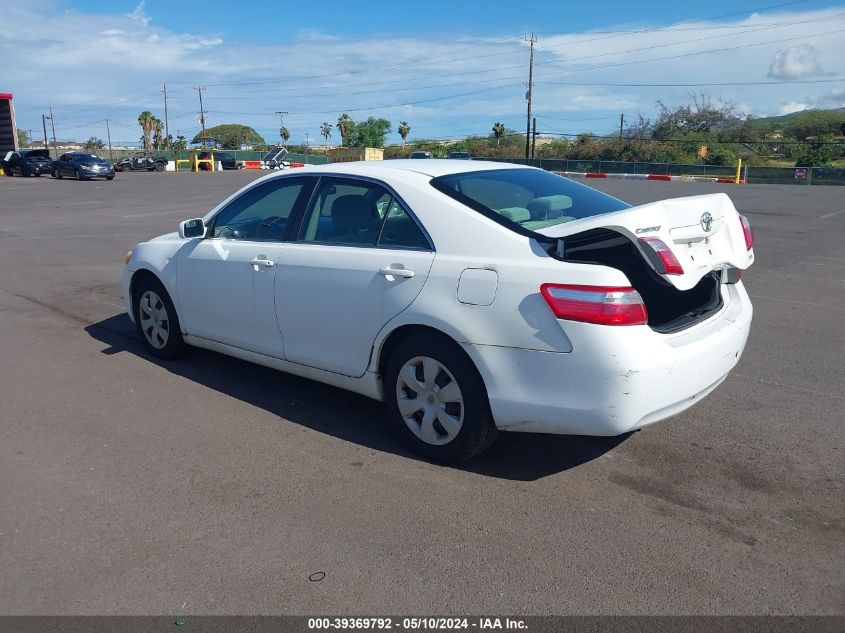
pixel 156 320
pixel 159 167
pixel 57 173
pixel 437 399
pixel 109 177
pixel 78 174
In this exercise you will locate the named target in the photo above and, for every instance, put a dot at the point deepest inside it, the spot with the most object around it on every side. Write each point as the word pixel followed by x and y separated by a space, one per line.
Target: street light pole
pixel 44 124
pixel 53 125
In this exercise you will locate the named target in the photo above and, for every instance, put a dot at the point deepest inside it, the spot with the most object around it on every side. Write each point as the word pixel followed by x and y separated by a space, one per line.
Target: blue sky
pixel 448 68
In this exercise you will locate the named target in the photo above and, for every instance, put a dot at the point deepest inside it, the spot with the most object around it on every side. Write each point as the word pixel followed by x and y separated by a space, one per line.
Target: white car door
pixel 225 280
pixel 361 258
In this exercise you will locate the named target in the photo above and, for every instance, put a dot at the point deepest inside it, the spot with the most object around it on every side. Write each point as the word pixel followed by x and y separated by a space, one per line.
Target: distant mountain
pixel 784 118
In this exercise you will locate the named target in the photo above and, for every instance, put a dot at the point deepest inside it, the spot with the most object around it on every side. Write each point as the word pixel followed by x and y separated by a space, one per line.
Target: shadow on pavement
pixel 351 417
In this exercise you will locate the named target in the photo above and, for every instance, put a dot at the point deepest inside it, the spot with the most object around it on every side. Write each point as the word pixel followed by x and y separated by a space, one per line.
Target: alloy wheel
pixel 430 400
pixel 155 322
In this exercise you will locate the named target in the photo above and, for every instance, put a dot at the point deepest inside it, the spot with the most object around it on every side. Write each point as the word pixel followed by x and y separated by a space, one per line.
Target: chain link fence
pixel 752 175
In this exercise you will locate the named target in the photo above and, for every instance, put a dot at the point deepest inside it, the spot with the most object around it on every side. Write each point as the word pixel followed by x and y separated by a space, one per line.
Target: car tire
pixel 156 320
pixel 109 177
pixel 437 400
pixel 159 167
pixel 8 172
pixel 78 174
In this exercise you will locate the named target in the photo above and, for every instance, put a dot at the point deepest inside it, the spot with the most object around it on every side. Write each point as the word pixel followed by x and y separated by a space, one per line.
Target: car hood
pixel 167 237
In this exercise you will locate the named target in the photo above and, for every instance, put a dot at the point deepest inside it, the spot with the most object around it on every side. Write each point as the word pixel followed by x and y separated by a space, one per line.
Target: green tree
pixel 231 135
pixel 404 129
pixel 344 126
pixel 369 133
pixel 146 121
pixel 815 154
pixel 93 144
pixel 498 132
pixel 158 129
pixel 23 139
pixel 814 123
pixel 326 133
pixel 181 143
pixel 285 134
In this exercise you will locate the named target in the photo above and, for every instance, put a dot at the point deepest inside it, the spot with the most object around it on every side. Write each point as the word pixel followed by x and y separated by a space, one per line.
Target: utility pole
pixel 533 136
pixel 53 125
pixel 44 124
pixel 108 135
pixel 528 95
pixel 166 126
pixel 621 123
pixel 199 89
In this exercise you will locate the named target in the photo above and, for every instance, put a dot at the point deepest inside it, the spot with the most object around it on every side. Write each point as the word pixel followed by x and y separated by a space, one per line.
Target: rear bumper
pixel 615 379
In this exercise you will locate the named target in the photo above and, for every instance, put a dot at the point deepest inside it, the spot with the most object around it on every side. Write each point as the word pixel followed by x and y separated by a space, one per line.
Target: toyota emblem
pixel 706 222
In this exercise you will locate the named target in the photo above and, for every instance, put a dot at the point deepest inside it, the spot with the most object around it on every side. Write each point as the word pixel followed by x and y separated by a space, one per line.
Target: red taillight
pixel 670 263
pixel 596 304
pixel 747 232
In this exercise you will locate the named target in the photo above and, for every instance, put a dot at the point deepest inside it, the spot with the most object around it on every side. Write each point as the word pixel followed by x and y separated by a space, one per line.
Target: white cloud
pixel 796 62
pixel 138 14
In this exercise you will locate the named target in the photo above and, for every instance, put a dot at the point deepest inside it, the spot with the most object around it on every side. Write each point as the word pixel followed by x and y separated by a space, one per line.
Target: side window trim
pixel 296 235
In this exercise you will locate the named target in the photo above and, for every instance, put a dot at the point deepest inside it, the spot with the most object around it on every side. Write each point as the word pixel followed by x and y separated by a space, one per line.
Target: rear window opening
pixel 526 200
pixel 669 309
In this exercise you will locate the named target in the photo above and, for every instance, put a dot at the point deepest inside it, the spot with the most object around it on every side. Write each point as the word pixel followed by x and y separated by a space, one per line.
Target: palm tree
pixel 145 120
pixel 498 131
pixel 344 125
pixel 404 130
pixel 285 134
pixel 326 132
pixel 158 128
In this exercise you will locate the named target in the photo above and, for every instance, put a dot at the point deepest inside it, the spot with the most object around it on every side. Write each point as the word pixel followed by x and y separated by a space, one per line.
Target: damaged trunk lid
pixel 682 239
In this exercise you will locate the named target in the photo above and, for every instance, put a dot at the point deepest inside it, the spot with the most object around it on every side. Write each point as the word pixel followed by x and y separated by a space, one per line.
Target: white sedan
pixel 471 297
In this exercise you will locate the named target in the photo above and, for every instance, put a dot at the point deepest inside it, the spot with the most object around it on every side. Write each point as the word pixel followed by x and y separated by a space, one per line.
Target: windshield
pixel 532 199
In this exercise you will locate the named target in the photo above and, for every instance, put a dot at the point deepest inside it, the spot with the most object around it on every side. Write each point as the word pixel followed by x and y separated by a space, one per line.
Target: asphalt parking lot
pixel 211 486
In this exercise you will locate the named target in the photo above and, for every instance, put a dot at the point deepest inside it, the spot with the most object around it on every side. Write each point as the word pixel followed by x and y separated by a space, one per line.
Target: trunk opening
pixel 669 309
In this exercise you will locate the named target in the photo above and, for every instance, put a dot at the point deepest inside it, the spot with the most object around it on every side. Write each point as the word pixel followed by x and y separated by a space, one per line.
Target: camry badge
pixel 706 221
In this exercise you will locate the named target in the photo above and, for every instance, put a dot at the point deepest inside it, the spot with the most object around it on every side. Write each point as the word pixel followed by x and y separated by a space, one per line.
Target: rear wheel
pixel 437 399
pixel 156 320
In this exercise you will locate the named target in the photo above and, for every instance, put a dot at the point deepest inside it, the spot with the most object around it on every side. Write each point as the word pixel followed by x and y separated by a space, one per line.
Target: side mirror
pixel 191 228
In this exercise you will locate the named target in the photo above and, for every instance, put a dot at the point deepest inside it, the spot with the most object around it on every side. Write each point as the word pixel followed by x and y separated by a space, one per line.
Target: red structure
pixel 8 131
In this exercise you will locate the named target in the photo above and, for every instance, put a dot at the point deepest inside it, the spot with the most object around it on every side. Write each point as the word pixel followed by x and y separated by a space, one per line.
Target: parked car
pixel 141 162
pixel 550 306
pixel 419 154
pixel 459 155
pixel 82 166
pixel 27 162
pixel 227 161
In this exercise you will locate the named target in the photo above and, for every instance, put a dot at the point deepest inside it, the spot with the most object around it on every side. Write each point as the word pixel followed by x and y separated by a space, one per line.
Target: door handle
pixel 396 272
pixel 262 261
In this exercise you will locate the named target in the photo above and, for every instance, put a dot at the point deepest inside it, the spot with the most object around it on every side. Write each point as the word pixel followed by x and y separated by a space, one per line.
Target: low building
pixel 350 154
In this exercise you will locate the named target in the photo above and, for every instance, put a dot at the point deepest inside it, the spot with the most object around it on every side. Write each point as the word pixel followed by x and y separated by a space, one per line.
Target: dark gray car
pixel 82 166
pixel 27 162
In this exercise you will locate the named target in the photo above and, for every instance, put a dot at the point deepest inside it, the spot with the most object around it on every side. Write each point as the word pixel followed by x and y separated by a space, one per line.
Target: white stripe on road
pixel 830 215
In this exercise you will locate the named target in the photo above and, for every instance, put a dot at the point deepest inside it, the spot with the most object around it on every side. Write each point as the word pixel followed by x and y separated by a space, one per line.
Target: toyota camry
pixel 470 297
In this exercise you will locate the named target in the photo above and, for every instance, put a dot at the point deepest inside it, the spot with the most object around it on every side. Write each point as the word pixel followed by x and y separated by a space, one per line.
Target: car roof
pixel 434 167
